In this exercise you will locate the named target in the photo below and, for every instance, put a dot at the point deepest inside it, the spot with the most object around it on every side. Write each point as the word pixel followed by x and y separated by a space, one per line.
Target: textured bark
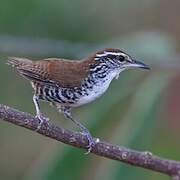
pixel 141 159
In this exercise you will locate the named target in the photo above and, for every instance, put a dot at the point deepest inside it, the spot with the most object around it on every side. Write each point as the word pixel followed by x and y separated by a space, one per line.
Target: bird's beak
pixel 138 64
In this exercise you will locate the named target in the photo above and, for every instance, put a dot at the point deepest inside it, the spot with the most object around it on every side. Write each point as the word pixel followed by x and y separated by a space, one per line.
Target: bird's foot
pixel 91 142
pixel 42 119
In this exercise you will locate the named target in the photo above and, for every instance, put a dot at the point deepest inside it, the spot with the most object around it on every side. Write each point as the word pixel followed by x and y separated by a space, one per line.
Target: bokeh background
pixel 141 110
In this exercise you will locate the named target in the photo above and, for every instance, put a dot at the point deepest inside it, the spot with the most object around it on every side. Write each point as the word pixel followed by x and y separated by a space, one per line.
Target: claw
pixel 42 119
pixel 91 142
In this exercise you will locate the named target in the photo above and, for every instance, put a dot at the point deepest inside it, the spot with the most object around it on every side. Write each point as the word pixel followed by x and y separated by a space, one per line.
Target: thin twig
pixel 142 159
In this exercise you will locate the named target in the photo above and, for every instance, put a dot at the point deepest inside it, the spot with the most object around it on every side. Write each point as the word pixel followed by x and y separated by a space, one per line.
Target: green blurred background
pixel 139 111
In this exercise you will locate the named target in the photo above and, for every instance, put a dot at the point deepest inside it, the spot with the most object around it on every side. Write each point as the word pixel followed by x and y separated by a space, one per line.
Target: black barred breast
pixel 65 96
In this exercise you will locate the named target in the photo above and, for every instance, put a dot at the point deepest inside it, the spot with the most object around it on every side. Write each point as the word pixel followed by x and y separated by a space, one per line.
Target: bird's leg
pixel 67 113
pixel 39 115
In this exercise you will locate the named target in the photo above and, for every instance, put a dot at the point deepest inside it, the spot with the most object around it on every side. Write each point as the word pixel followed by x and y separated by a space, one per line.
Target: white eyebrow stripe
pixel 97 58
pixel 110 53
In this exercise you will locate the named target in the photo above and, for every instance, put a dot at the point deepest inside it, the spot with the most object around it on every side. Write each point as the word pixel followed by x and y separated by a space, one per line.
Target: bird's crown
pixel 110 53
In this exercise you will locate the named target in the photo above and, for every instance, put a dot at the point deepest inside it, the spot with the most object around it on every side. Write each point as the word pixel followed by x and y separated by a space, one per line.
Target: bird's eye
pixel 121 58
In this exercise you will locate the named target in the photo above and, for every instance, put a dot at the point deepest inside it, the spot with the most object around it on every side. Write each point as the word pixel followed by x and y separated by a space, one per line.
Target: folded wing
pixel 59 72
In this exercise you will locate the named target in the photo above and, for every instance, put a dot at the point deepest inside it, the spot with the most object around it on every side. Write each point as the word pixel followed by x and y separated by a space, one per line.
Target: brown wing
pixel 66 73
pixel 61 72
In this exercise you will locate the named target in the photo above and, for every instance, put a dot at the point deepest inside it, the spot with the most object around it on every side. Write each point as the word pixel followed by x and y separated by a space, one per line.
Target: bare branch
pixel 141 159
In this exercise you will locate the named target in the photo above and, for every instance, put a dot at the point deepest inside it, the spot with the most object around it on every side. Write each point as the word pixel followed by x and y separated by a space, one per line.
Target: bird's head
pixel 118 59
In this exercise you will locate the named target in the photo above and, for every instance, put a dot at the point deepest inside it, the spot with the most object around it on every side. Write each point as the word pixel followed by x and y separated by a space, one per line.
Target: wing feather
pixel 51 71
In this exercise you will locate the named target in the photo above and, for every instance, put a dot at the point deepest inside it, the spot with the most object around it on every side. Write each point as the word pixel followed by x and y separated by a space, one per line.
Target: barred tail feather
pixel 22 65
pixel 27 69
pixel 18 62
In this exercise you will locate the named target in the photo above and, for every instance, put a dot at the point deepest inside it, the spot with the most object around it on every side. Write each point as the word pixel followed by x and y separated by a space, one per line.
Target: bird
pixel 69 83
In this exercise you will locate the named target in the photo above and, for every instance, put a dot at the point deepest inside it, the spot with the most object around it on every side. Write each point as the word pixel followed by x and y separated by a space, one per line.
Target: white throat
pixel 99 88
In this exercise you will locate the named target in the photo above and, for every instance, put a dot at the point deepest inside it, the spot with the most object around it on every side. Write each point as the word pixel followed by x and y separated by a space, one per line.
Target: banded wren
pixel 71 83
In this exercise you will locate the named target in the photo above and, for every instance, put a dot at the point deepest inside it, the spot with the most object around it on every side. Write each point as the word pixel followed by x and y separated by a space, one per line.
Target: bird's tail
pixel 25 68
pixel 18 62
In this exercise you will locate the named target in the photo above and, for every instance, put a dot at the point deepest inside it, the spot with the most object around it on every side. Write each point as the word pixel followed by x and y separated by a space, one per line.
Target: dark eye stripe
pixel 118 57
pixel 111 56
